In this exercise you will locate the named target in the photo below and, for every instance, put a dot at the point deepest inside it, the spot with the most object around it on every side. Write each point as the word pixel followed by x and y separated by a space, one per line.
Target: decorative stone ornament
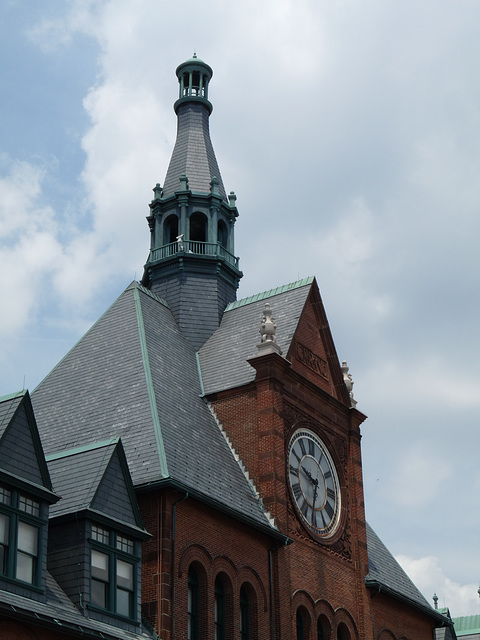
pixel 347 378
pixel 268 329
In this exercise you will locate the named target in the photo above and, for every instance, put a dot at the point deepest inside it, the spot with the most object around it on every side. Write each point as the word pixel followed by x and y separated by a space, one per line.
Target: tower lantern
pixel 193 76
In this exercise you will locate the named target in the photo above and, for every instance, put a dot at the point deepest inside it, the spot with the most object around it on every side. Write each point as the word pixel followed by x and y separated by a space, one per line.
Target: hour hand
pixel 309 476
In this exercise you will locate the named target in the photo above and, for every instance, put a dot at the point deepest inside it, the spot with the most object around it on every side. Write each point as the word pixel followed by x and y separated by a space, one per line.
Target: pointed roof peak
pixel 193 157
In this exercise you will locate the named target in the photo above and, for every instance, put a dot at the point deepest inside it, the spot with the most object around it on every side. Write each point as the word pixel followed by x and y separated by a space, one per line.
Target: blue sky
pixel 350 134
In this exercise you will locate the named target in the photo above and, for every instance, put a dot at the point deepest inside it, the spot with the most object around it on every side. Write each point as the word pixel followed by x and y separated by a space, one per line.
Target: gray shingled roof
pixel 134 376
pixel 8 406
pixel 193 153
pixel 223 358
pixel 63 616
pixel 384 570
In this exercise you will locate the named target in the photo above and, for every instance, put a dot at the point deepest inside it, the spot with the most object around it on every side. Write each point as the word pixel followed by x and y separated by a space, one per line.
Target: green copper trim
pixel 12 396
pixel 269 294
pixel 467 625
pixel 199 369
pixel 76 450
pixel 150 389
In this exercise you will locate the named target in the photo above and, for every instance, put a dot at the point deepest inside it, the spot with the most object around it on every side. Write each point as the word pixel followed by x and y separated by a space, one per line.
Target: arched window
pixel 303 624
pixel 323 628
pixel 170 229
pixel 193 632
pixel 198 228
pixel 222 233
pixel 219 610
pixel 245 615
pixel 342 632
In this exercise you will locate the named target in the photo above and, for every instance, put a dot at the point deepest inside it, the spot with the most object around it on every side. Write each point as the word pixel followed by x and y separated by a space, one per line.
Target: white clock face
pixel 314 483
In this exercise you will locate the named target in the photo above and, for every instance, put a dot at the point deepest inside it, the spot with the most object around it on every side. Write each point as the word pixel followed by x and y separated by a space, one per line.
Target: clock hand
pixel 309 475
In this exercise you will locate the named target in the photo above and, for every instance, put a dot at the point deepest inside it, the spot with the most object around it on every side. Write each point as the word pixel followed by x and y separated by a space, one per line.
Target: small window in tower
pixel 222 233
pixel 198 231
pixel 186 81
pixel 170 230
pixel 196 83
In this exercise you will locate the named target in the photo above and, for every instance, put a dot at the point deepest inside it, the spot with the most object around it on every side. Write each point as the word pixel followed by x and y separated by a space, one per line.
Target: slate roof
pixel 384 571
pixel 134 376
pixel 238 335
pixel 193 153
pixel 100 483
pixel 8 405
pixel 62 615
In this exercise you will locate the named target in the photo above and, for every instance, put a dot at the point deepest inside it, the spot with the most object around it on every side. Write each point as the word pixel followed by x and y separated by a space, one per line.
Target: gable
pixel 312 351
pixel 112 496
pixel 21 452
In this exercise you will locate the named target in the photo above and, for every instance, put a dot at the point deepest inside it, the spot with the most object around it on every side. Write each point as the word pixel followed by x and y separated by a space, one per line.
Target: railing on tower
pixel 194 247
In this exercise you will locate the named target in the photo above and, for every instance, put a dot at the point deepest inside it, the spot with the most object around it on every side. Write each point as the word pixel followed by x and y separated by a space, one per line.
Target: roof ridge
pixel 13 396
pixel 150 387
pixel 82 449
pixel 268 294
pixel 137 285
pixel 240 463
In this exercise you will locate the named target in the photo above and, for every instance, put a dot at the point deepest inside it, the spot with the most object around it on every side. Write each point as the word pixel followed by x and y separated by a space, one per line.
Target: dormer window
pixel 20 527
pixel 114 564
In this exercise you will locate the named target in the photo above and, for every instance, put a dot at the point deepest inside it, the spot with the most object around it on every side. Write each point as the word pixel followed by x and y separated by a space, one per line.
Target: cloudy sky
pixel 350 132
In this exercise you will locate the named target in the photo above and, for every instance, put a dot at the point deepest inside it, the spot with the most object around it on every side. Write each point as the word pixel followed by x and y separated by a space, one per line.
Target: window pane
pixel 124 599
pixel 5 495
pixel 125 544
pixel 124 575
pixel 25 567
pixel 3 559
pixel 99 594
pixel 100 535
pixel 28 505
pixel 99 565
pixel 4 523
pixel 27 538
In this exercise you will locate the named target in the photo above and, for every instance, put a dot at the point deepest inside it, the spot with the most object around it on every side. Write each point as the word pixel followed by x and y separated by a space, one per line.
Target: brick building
pixel 198 473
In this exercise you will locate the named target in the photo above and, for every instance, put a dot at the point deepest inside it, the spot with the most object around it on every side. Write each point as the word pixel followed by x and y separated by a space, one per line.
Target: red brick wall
pixel 392 616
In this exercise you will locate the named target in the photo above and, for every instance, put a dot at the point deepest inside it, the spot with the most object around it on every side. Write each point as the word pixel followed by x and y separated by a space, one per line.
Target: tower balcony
pixel 193 247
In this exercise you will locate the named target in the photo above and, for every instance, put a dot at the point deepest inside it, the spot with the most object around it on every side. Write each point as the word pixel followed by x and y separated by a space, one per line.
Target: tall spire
pixel 192 263
pixel 193 154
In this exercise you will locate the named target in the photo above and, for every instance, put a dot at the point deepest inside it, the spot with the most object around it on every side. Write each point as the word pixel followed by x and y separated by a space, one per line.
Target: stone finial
pixel 347 378
pixel 157 191
pixel 232 198
pixel 183 182
pixel 435 600
pixel 268 329
pixel 214 186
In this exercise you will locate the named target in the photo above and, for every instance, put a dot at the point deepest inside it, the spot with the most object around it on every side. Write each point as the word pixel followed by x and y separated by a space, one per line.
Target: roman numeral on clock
pixel 294 471
pixel 329 509
pixel 311 448
pixel 302 446
pixel 297 490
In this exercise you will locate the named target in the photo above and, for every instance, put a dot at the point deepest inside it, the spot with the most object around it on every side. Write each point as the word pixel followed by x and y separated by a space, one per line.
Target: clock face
pixel 314 483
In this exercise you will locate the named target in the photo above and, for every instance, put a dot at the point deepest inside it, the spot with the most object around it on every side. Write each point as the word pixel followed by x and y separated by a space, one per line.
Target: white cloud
pixel 29 251
pixel 428 575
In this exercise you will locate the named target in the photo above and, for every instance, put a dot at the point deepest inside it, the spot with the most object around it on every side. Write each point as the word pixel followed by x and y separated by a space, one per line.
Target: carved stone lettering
pixel 311 360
